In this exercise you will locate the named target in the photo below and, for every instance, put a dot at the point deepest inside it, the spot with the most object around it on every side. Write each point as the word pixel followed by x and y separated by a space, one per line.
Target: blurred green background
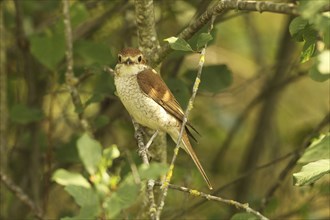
pixel 252 77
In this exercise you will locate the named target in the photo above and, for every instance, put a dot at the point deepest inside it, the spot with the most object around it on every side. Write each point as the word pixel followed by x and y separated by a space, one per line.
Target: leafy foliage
pixel 308 28
pixel 178 44
pixel 104 193
pixel 215 78
pixel 317 157
pixel 43 138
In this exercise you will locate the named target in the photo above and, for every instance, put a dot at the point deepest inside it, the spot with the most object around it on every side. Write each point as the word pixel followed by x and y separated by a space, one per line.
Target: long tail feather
pixel 188 148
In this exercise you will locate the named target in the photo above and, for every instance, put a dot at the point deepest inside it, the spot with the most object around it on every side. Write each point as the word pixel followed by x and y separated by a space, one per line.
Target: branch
pixel 149 45
pixel 215 198
pixel 221 6
pixel 70 79
pixel 184 121
pixel 21 195
pixel 234 181
pixel 145 19
pixel 143 152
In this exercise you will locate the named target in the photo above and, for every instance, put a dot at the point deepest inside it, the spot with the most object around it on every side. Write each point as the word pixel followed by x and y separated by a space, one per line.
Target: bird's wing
pixel 154 86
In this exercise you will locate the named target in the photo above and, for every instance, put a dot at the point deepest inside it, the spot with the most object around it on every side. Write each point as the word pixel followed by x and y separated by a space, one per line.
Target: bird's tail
pixel 188 148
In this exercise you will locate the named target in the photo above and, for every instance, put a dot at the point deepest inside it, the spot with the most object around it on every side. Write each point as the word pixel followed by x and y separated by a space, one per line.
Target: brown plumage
pixel 154 86
pixel 149 101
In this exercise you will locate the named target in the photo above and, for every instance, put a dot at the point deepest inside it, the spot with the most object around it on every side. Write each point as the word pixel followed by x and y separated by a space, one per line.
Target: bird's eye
pixel 140 59
pixel 119 58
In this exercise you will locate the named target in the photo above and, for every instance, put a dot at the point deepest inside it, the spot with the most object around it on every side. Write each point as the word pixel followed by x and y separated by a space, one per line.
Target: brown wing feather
pixel 154 86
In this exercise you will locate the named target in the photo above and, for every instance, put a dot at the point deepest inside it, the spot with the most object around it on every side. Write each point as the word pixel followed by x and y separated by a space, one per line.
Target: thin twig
pixel 70 79
pixel 184 121
pixel 139 137
pixel 234 181
pixel 21 195
pixel 149 45
pixel 143 152
pixel 215 198
pixel 257 6
pixel 151 139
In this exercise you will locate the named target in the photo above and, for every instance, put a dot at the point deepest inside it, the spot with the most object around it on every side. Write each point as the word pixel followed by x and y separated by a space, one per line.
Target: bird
pixel 150 102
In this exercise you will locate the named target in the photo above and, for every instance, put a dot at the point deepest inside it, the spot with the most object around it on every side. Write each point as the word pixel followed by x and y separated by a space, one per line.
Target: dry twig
pixel 215 198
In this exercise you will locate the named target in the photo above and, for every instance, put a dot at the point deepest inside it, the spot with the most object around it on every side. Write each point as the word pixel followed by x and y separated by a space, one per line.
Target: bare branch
pixel 184 121
pixel 143 152
pixel 215 198
pixel 149 45
pixel 139 137
pixel 234 181
pixel 221 6
pixel 21 195
pixel 145 19
pixel 70 79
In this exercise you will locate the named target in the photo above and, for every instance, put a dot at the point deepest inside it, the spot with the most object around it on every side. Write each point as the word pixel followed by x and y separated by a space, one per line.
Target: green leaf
pixel 124 197
pixel 23 114
pixel 89 152
pixel 308 51
pixel 319 149
pixel 194 39
pixel 178 44
pixel 87 199
pixel 94 53
pixel 83 196
pixel 312 172
pixel 64 177
pixel 297 27
pixel 128 190
pixel 203 39
pixel 109 154
pixel 310 38
pixel 244 216
pixel 215 78
pixel 48 50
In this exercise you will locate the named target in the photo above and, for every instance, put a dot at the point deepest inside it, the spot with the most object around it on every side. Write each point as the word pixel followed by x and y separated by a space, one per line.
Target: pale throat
pixel 127 70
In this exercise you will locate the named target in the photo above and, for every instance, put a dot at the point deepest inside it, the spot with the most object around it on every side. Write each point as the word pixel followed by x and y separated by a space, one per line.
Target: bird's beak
pixel 128 61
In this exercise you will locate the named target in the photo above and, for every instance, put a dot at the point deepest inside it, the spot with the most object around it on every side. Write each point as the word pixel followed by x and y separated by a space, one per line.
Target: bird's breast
pixel 141 107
